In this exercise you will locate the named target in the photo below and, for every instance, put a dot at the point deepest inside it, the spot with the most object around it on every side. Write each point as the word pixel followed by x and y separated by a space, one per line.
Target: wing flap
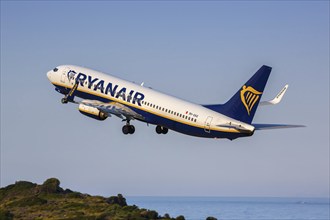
pixel 113 108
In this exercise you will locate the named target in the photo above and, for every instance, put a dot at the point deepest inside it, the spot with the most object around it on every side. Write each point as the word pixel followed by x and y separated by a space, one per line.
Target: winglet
pixel 277 99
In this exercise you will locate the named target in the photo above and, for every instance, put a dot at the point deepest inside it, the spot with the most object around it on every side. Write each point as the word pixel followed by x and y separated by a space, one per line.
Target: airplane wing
pixel 274 126
pixel 113 108
pixel 277 98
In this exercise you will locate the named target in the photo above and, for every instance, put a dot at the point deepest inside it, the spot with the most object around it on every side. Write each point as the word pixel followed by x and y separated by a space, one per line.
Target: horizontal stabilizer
pixel 275 126
pixel 277 99
pixel 238 127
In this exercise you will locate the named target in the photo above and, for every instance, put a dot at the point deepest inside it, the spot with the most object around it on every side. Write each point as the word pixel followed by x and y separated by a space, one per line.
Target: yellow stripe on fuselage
pixel 82 89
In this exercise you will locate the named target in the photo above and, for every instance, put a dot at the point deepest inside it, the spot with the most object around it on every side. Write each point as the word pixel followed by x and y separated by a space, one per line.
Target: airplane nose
pixel 49 75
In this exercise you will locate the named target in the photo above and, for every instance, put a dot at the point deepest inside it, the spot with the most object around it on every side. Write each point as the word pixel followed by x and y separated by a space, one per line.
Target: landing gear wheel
pixel 161 129
pixel 64 100
pixel 126 129
pixel 158 129
pixel 165 130
pixel 131 129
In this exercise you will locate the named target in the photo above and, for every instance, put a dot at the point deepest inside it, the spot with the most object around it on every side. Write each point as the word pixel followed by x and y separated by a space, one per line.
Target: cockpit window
pixel 55 69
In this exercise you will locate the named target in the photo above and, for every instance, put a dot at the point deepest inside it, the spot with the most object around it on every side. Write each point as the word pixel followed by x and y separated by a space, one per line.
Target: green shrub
pixel 167 216
pixel 19 188
pixel 149 214
pixel 119 200
pixel 28 201
pixel 74 195
pixel 6 215
pixel 130 208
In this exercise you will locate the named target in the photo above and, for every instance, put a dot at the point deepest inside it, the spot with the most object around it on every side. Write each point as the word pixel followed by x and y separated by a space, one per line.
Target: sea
pixel 237 208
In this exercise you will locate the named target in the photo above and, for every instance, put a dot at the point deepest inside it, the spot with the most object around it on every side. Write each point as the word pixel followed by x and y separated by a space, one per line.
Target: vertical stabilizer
pixel 243 105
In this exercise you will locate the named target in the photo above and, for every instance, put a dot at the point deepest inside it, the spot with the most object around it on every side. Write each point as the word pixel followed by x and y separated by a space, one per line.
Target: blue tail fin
pixel 243 105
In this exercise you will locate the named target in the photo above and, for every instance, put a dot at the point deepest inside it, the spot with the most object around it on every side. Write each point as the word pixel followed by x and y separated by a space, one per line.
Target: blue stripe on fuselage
pixel 158 120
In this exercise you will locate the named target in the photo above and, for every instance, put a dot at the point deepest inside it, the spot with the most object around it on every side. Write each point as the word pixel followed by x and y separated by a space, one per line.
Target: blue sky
pixel 199 51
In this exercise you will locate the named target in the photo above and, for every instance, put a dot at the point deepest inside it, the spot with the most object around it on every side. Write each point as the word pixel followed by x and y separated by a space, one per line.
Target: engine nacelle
pixel 92 112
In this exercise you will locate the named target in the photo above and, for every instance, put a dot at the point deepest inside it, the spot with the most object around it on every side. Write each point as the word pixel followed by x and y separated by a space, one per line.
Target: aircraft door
pixel 207 124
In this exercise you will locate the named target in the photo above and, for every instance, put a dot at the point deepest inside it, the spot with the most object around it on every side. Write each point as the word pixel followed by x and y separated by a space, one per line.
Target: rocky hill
pixel 26 200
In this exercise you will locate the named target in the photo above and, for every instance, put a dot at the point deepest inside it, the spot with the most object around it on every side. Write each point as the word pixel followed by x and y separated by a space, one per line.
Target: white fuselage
pixel 156 107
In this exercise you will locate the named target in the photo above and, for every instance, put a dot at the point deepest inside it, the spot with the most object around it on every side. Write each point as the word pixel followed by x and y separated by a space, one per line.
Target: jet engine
pixel 92 112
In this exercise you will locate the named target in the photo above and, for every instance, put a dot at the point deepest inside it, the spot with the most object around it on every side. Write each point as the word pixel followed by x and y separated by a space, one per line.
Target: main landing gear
pixel 128 129
pixel 161 129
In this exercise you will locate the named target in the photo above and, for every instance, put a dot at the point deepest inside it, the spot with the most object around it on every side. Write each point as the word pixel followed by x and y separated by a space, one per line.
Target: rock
pixel 51 185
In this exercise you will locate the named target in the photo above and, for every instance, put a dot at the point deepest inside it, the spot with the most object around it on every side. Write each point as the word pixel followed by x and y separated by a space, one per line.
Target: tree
pixel 119 200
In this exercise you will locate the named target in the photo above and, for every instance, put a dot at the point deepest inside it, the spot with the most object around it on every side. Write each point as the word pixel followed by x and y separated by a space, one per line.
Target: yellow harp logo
pixel 249 97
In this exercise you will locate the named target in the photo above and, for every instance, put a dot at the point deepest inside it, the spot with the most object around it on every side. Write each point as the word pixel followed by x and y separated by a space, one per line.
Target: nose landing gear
pixel 64 100
pixel 69 97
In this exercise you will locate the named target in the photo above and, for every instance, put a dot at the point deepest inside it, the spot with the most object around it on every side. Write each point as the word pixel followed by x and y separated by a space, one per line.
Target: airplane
pixel 105 95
